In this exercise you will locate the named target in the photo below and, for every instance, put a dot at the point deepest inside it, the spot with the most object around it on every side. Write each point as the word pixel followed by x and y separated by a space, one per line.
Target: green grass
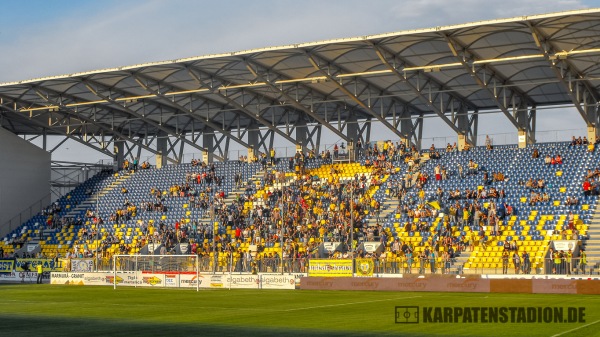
pixel 52 310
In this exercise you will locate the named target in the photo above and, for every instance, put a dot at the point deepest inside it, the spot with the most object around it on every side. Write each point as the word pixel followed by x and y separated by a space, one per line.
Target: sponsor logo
pixel 111 280
pixel 6 266
pixel 412 285
pixel 321 284
pixel 242 280
pixel 195 280
pixel 564 286
pixel 152 280
pixel 365 284
pixel 462 285
pixel 330 267
pixel 94 279
pixel 278 280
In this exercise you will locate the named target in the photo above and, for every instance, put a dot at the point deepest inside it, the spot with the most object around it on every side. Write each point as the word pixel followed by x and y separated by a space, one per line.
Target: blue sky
pixel 43 38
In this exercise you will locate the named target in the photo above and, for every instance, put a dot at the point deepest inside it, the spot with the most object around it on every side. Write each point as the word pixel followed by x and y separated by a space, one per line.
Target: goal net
pixel 156 270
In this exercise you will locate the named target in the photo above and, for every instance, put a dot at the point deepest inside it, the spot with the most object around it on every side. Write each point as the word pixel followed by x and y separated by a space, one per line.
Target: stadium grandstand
pixel 468 206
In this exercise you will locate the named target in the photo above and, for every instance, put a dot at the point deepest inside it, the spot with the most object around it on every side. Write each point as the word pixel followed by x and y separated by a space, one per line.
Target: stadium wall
pixel 451 283
pixel 24 177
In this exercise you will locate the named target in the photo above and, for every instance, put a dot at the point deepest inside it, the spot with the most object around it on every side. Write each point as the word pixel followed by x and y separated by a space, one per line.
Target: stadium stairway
pixel 254 180
pixel 92 202
pixel 387 208
pixel 592 244
pixel 389 204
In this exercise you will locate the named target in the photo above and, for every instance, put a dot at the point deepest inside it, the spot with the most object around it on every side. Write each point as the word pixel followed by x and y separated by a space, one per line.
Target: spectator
pixel 505 259
pixel 516 262
pixel 582 260
pixel 526 263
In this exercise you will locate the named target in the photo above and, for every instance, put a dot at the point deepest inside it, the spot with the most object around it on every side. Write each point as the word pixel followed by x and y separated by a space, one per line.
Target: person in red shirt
pixel 558 159
pixel 587 187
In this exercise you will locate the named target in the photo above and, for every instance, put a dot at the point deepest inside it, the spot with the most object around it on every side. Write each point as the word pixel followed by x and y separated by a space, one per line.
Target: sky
pixel 41 38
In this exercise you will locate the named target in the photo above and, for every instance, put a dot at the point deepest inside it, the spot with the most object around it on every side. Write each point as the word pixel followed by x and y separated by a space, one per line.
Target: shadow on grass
pixel 50 326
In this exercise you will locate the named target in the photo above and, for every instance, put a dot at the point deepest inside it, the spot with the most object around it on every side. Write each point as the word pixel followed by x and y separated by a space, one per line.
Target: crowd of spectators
pixel 298 211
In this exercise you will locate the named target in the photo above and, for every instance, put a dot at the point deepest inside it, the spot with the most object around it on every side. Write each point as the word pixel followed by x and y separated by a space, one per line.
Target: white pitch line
pixel 227 308
pixel 343 304
pixel 577 328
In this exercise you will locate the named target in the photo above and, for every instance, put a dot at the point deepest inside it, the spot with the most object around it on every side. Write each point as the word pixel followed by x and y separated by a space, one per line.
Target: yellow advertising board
pixel 330 268
pixel 7 266
pixel 31 264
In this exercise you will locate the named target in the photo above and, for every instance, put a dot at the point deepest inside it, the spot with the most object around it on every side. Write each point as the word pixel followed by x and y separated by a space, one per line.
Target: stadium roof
pixel 502 65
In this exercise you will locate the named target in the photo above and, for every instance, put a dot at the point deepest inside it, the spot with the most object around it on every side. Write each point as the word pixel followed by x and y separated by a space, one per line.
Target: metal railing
pixel 392 266
pixel 547 266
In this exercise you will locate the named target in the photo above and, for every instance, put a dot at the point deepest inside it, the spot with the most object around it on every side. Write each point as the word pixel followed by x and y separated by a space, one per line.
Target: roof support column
pixel 406 128
pixel 162 148
pixel 44 140
pixel 119 152
pixel 468 124
pixel 301 135
pixel 526 118
pixel 592 111
pixel 209 144
pixel 412 131
pixel 353 133
pixel 352 128
pixel 253 136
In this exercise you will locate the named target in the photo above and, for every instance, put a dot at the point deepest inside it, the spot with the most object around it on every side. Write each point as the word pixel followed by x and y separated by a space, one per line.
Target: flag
pixel 435 204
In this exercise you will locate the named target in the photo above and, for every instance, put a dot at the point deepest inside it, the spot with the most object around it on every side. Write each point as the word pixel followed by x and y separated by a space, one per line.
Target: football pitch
pixel 52 310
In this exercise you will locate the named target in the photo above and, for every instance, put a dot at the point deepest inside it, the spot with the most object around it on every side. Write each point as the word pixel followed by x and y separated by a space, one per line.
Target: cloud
pixel 134 32
pixel 116 33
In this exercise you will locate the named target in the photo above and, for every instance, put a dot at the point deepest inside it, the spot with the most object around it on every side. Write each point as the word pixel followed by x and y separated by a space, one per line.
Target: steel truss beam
pixel 580 91
pixel 505 96
pixel 411 129
pixel 69 111
pixel 219 144
pixel 323 97
pixel 364 131
pixel 197 74
pixel 258 74
pixel 114 103
pixel 57 131
pixel 261 140
pixel 189 112
pixel 441 103
pixel 307 134
pixel 314 59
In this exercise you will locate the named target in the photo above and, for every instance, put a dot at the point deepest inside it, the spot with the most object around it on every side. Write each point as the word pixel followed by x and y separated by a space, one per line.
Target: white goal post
pixel 190 271
pixel 167 270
